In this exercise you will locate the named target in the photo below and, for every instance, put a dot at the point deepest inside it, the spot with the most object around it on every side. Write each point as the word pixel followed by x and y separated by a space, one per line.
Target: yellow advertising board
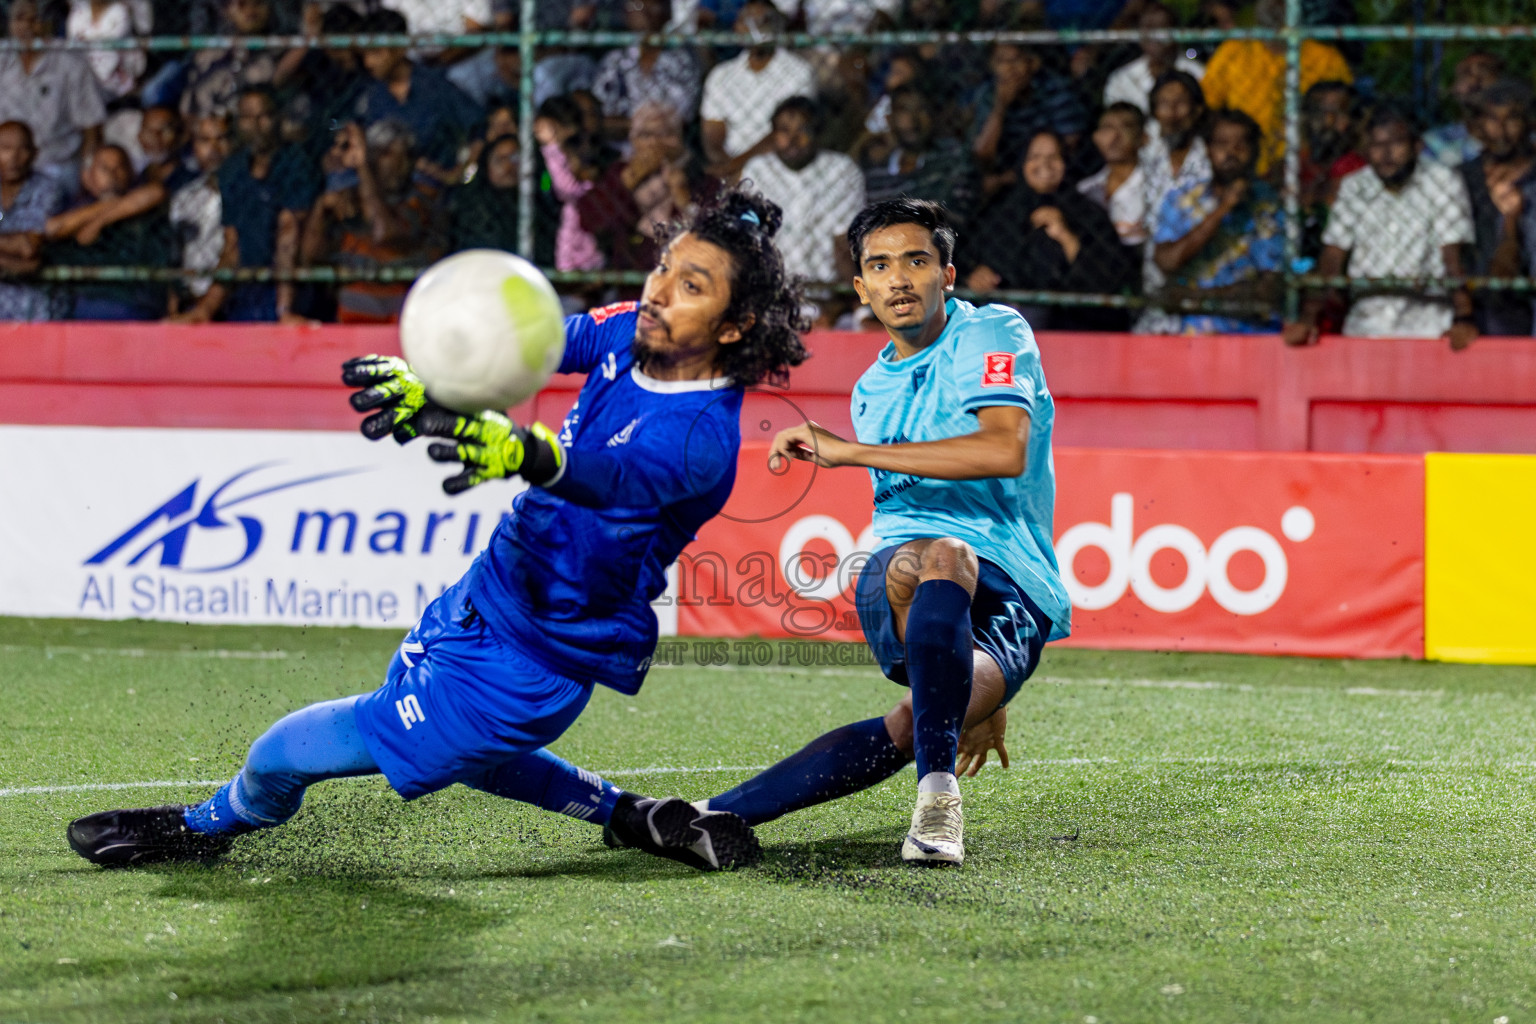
pixel 1480 558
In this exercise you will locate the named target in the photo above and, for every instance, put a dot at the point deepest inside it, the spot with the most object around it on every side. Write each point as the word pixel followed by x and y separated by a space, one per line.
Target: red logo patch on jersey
pixel 613 309
pixel 997 370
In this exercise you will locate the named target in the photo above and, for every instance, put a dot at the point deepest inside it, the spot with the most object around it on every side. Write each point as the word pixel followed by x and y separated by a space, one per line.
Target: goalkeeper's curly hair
pixel 743 223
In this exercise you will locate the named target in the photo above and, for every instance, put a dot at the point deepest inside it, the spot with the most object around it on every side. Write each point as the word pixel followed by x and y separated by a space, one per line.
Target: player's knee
pixel 898 725
pixel 949 558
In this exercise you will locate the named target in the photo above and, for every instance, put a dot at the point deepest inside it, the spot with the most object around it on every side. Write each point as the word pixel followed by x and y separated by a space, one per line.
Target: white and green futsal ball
pixel 483 329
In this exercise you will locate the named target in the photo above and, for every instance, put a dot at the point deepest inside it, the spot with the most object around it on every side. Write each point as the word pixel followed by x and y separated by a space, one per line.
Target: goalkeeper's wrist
pixel 543 457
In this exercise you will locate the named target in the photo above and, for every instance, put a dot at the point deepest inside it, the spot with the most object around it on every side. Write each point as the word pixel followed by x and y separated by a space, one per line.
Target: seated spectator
pixel 265 190
pixel 1045 234
pixel 52 92
pixel 920 165
pixel 1249 75
pixel 386 220
pixel 1132 83
pixel 818 191
pixel 830 17
pixel 563 69
pixel 439 116
pixel 572 160
pixel 163 142
pixel 443 17
pixel 643 73
pixel 1020 102
pixel 1330 131
pixel 1224 239
pixel 1455 143
pixel 905 67
pixel 197 213
pixel 1175 160
pixel 741 94
pixel 635 200
pixel 1401 217
pixel 483 214
pixel 1495 181
pixel 117 71
pixel 142 239
pixel 1120 187
pixel 333 81
pixel 492 79
pixel 27 201
pixel 216 78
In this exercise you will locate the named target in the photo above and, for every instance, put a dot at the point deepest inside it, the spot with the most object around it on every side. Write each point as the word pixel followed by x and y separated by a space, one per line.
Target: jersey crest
pixel 613 309
pixel 997 370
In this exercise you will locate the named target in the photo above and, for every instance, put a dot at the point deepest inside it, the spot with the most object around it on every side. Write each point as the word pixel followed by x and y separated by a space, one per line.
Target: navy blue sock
pixel 843 761
pixel 542 779
pixel 939 662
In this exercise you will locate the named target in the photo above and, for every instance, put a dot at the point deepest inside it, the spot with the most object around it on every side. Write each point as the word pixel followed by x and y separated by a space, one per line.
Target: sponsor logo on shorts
pixel 997 370
pixel 409 709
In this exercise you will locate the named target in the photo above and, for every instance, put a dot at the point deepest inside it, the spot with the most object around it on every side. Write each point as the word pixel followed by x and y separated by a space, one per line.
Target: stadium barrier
pixel 1112 390
pixel 226 517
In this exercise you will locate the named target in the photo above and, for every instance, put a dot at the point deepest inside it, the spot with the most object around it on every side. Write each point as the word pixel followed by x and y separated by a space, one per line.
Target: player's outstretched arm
pixel 997 448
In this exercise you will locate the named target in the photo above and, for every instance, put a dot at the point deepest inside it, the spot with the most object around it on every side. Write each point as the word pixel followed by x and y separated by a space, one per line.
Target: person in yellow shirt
pixel 1249 75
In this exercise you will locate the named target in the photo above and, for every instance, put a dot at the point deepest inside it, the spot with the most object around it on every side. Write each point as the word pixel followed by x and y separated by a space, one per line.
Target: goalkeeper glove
pixel 390 387
pixel 491 447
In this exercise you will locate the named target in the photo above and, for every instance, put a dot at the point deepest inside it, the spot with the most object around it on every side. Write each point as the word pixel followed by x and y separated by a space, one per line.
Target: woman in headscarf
pixel 1042 234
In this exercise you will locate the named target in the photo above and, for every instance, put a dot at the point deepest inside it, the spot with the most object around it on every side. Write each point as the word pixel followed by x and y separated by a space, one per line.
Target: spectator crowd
pixel 1148 170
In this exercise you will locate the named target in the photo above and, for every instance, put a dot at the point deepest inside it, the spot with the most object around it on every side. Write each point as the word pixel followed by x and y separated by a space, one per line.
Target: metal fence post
pixel 527 157
pixel 1292 188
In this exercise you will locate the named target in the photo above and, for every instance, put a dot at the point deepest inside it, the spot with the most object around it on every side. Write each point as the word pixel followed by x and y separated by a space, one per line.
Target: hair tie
pixel 752 218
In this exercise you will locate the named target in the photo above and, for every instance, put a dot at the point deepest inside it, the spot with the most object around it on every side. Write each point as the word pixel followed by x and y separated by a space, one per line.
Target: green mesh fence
pixel 268 158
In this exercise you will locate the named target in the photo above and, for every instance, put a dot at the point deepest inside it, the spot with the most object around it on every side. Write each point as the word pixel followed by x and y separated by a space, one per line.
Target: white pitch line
pixel 1046 762
pixel 217 653
pixel 1207 684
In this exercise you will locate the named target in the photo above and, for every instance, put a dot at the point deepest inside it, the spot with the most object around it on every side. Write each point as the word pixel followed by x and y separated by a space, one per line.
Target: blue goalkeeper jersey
pixel 984 357
pixel 570 575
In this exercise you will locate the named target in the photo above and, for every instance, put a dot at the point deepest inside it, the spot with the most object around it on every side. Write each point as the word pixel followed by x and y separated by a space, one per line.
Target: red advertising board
pixel 1253 552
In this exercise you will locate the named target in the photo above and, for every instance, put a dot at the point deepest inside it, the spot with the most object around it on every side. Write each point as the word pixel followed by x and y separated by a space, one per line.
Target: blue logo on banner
pixel 168 527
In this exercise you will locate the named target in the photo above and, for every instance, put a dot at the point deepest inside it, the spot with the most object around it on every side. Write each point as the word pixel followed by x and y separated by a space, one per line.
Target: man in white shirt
pixel 1400 217
pixel 818 190
pixel 445 16
pixel 741 94
pixel 54 93
pixel 197 210
pixel 1133 82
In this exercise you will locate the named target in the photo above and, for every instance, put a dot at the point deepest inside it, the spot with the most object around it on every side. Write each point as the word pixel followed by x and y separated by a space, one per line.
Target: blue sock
pixel 542 779
pixel 939 662
pixel 319 742
pixel 843 761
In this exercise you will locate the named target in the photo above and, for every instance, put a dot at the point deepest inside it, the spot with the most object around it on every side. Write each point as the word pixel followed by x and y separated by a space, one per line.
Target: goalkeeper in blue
pixel 953 422
pixel 506 659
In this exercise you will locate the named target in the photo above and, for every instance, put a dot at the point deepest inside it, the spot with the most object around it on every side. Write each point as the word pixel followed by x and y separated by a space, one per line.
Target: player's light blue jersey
pixel 570 575
pixel 984 357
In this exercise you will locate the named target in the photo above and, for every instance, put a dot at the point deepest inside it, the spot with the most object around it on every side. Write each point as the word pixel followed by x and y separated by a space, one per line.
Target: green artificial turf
pixel 1257 840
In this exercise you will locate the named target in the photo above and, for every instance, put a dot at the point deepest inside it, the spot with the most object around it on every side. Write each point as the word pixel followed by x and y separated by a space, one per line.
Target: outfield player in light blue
pixel 504 661
pixel 954 425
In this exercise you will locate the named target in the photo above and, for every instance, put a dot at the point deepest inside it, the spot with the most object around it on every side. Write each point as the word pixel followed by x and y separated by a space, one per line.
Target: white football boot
pixel 935 838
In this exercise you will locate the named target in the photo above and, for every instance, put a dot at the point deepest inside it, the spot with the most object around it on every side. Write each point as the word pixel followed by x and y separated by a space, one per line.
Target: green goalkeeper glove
pixel 491 447
pixel 390 387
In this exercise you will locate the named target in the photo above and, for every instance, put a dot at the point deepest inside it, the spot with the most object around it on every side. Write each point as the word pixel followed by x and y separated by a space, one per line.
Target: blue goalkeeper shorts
pixel 457 700
pixel 1005 622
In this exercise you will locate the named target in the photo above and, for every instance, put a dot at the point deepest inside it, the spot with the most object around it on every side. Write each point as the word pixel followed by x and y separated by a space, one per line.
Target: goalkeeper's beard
pixel 646 355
